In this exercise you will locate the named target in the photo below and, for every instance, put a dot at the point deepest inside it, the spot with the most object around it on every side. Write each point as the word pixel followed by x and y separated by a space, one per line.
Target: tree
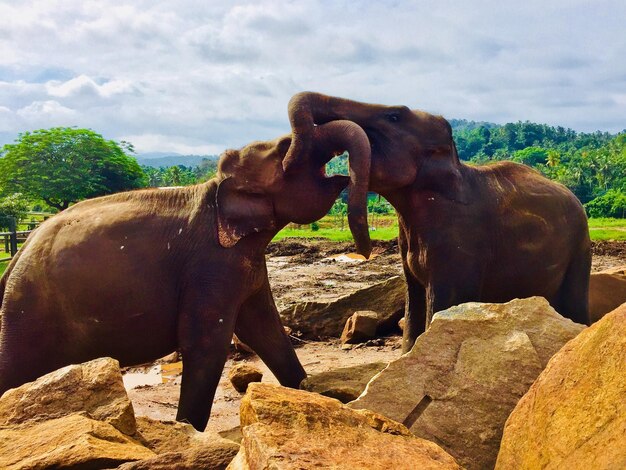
pixel 12 206
pixel 611 204
pixel 64 165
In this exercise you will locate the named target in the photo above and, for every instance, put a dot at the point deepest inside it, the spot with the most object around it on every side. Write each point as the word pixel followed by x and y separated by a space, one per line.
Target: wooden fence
pixel 13 238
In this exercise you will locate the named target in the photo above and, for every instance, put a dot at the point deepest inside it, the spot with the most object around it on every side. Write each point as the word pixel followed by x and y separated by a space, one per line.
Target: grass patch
pixel 3 267
pixel 336 234
pixel 599 234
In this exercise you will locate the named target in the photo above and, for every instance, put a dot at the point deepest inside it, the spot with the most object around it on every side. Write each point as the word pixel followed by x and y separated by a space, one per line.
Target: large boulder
pixel 285 429
pixel 607 291
pixel 315 319
pixel 574 415
pixel 465 374
pixel 94 388
pixel 180 446
pixel 345 384
pixel 73 441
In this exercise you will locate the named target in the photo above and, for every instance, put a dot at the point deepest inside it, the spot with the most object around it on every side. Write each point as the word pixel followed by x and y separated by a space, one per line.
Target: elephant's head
pixel 266 185
pixel 409 148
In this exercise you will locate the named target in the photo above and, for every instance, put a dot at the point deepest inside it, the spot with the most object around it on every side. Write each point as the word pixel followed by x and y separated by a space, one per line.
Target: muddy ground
pixel 302 270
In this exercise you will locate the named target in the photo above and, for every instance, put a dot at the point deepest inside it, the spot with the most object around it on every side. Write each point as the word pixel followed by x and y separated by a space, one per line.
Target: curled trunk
pixel 332 136
pixel 339 136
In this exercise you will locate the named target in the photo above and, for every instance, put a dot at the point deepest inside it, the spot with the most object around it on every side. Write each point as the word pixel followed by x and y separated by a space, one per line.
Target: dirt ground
pixel 301 270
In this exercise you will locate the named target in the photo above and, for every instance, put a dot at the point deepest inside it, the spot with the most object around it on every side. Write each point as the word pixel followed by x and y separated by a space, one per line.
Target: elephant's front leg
pixel 205 331
pixel 415 321
pixel 258 325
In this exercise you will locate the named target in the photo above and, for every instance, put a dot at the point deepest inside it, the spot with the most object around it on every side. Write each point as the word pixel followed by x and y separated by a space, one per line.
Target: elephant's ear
pixel 240 213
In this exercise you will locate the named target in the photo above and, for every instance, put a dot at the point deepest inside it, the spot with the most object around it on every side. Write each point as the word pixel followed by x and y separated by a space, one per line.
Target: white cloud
pixel 163 143
pixel 219 74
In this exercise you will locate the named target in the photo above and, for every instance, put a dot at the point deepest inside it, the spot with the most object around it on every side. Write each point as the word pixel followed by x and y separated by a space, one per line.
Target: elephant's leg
pixel 415 322
pixel 205 332
pixel 573 297
pixel 258 325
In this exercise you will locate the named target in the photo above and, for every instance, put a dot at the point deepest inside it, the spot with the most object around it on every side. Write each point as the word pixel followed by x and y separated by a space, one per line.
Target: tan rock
pixel 344 384
pixel 73 441
pixel 315 319
pixel 242 374
pixel 360 327
pixel 459 383
pixel 574 415
pixel 95 388
pixel 180 446
pixel 607 291
pixel 286 429
pixel 401 323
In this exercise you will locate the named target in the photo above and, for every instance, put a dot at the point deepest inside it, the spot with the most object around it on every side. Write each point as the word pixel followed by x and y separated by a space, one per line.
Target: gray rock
pixel 315 319
pixel 465 374
pixel 344 384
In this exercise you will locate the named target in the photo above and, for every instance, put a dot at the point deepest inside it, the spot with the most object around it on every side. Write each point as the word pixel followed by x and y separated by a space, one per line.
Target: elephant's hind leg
pixel 573 297
pixel 258 325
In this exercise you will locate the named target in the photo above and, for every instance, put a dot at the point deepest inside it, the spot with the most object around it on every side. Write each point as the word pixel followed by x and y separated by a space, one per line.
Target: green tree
pixel 611 204
pixel 64 165
pixel 531 156
pixel 12 206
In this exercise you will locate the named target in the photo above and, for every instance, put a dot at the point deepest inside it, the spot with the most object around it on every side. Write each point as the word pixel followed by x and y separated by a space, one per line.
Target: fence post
pixel 13 236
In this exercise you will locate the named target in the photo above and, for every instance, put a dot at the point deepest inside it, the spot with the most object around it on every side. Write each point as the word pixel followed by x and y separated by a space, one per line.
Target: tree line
pixel 53 168
pixel 591 165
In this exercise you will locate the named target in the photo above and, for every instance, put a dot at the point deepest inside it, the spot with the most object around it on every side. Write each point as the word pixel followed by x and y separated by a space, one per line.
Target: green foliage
pixel 12 206
pixel 64 165
pixel 610 204
pixel 315 227
pixel 180 175
pixel 531 156
pixel 589 164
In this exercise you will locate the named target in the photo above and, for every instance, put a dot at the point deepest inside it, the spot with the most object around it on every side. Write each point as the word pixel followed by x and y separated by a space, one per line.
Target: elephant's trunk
pixel 337 136
pixel 305 111
pixel 308 109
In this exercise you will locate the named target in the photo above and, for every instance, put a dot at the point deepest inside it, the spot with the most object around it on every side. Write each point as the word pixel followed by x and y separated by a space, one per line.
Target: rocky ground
pixel 303 270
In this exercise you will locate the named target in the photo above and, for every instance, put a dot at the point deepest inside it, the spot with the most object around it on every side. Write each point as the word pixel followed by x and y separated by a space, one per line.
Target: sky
pixel 197 77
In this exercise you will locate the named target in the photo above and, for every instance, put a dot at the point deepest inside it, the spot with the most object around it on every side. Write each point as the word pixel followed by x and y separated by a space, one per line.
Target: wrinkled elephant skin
pixel 468 233
pixel 137 275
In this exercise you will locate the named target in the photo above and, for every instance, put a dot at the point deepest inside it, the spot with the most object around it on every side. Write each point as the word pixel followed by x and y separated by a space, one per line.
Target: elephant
pixel 136 275
pixel 467 233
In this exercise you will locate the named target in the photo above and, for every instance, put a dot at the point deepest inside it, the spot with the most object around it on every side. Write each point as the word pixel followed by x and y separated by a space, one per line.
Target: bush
pixel 12 206
pixel 315 226
pixel 611 204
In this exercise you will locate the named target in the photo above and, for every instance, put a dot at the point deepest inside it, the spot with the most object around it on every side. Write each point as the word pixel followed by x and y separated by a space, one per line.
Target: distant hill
pixel 162 159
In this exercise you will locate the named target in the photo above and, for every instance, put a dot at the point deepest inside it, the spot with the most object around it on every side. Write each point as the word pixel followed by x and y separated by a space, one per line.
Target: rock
pixel 315 319
pixel 232 434
pixel 180 446
pixel 242 374
pixel 285 429
pixel 574 415
pixel 95 388
pixel 345 384
pixel 73 441
pixel 401 323
pixel 360 327
pixel 607 291
pixel 465 374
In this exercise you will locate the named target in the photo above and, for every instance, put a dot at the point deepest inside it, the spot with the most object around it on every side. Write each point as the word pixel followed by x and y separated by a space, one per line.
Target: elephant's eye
pixel 393 117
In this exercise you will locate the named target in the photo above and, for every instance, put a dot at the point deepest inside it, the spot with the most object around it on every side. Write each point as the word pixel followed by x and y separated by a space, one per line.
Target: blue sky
pixel 199 77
